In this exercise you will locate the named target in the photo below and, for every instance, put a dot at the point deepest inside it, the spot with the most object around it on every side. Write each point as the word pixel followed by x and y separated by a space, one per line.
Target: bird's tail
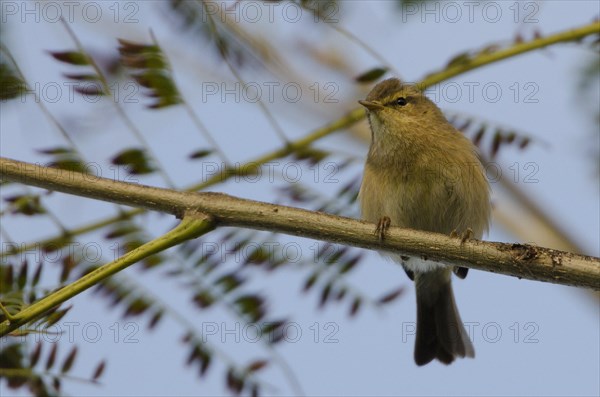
pixel 440 332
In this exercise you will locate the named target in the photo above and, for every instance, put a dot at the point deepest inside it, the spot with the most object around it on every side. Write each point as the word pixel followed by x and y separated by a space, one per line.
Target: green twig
pixel 4 311
pixel 191 226
pixel 517 49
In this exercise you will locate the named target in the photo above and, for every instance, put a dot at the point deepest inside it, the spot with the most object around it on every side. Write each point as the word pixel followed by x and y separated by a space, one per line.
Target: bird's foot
pixel 465 236
pixel 382 226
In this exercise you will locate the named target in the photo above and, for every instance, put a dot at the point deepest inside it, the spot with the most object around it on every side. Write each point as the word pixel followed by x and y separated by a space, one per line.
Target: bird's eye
pixel 402 101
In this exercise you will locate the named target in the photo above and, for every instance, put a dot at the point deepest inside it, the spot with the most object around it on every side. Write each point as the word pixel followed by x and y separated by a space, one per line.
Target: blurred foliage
pixel 11 85
pixel 230 42
pixel 490 138
pixel 152 72
pixel 64 158
pixel 136 161
pixel 27 358
pixel 587 92
pixel 371 75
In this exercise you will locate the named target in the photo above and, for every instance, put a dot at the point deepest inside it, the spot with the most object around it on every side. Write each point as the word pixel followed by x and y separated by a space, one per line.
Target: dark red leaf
pixel 355 306
pixel 99 370
pixel 257 365
pixel 51 357
pixel 35 355
pixel 68 363
pixel 391 296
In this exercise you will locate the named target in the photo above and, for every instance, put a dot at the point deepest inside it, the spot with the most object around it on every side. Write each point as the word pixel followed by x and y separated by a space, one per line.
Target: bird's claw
pixel 467 235
pixel 382 226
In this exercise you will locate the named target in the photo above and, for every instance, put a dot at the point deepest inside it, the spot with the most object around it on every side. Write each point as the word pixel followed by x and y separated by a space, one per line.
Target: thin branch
pixel 213 27
pixel 118 108
pixel 520 260
pixel 353 38
pixel 41 103
pixel 193 116
pixel 184 321
pixel 517 49
pixel 193 225
pixel 221 298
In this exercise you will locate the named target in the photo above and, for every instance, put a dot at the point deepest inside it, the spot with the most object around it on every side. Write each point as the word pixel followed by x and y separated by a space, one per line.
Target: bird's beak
pixel 372 105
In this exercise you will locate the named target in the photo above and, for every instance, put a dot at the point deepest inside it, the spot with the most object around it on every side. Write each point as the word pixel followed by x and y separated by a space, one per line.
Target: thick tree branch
pixel 520 260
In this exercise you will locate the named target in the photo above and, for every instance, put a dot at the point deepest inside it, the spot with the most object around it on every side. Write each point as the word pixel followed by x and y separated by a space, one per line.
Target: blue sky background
pixel 530 338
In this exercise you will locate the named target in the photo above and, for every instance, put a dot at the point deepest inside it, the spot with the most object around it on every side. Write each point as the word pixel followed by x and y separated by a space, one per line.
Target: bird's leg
pixel 461 272
pixel 467 235
pixel 382 226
